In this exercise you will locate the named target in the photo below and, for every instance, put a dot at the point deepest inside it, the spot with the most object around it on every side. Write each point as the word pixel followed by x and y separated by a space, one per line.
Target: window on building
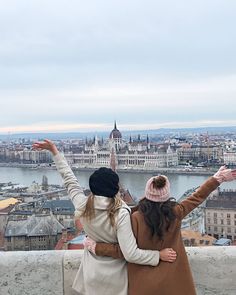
pixel 229 230
pixel 209 220
pixel 215 221
pixel 215 215
pixel 192 241
pixel 228 215
pixel 235 216
pixel 186 243
pixel 228 222
pixel 222 221
pixel 215 228
pixel 209 228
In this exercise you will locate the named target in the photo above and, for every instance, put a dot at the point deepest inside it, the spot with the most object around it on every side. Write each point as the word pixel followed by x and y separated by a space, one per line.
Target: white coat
pixel 103 275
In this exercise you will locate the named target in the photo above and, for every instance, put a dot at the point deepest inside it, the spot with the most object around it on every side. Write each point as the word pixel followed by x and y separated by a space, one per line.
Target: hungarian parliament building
pixel 133 153
pixel 116 152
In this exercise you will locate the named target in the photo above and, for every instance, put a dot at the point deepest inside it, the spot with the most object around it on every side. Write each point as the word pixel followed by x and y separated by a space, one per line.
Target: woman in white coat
pixel 105 218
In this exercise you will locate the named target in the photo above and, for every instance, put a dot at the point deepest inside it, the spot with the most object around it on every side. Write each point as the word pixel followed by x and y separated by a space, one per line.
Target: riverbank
pixel 133 181
pixel 169 171
pixel 31 166
pixel 172 170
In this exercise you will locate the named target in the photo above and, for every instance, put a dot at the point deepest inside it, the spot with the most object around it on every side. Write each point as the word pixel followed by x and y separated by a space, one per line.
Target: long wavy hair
pixel 158 215
pixel 112 208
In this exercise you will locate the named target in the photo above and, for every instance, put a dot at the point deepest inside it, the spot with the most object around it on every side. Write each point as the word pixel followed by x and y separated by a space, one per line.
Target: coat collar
pixel 101 203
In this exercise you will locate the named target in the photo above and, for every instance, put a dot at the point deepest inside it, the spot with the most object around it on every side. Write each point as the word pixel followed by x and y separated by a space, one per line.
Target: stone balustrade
pixel 52 272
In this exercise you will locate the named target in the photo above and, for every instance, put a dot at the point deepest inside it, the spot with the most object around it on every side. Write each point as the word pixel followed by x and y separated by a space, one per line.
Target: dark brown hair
pixel 158 215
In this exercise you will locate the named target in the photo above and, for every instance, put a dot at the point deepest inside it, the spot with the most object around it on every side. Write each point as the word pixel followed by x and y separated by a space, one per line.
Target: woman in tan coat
pixel 105 218
pixel 157 225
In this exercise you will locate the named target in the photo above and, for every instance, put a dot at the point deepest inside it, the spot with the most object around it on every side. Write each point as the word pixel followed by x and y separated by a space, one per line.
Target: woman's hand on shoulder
pixel 168 255
pixel 46 145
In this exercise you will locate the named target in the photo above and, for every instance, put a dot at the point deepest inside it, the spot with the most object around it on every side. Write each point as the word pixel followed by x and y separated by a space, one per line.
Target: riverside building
pixel 134 154
pixel 139 153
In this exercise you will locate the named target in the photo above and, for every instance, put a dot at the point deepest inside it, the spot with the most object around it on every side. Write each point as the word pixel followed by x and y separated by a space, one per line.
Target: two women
pixel 157 225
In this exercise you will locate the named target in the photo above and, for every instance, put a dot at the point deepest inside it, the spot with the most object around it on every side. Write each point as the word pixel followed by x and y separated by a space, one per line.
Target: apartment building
pixel 220 214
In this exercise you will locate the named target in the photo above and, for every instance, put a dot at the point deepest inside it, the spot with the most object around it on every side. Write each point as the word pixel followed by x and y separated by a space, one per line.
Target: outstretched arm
pixel 199 196
pixel 75 191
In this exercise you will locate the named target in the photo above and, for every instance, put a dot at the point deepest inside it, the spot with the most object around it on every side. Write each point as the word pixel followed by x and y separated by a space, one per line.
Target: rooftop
pixel 33 226
pixel 7 202
pixel 60 206
pixel 222 201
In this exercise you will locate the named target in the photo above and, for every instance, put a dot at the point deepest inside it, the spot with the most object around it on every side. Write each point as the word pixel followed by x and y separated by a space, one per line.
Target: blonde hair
pixel 112 208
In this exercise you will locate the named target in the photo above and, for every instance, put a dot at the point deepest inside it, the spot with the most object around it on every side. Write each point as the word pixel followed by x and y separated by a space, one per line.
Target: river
pixel 135 181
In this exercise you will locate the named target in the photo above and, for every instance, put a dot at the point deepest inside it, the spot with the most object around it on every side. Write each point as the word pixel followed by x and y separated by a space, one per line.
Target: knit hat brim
pixel 157 194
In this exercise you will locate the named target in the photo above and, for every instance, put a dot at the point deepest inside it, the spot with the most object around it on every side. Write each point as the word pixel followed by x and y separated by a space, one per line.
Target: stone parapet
pixel 52 272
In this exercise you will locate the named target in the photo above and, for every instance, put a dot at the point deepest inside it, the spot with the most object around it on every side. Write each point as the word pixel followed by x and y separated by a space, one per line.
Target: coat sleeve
pixel 128 243
pixel 112 250
pixel 75 191
pixel 185 207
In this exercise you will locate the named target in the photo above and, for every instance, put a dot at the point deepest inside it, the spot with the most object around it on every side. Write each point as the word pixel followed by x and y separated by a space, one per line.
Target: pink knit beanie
pixel 160 193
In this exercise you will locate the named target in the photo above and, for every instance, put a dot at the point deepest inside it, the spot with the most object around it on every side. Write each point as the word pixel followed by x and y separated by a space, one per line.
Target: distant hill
pixel 125 133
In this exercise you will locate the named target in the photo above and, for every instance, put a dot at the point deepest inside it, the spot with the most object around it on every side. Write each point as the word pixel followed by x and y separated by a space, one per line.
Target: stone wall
pixel 52 272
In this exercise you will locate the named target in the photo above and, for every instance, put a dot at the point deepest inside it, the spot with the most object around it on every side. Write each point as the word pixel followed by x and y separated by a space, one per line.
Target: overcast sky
pixel 78 65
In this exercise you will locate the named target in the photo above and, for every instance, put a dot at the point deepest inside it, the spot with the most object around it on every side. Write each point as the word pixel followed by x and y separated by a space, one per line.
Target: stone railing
pixel 52 272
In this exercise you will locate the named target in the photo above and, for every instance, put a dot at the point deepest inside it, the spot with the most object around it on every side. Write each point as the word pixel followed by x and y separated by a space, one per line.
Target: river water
pixel 134 181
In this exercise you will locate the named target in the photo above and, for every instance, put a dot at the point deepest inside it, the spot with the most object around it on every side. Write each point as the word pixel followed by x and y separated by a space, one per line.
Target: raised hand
pixel 225 174
pixel 46 145
pixel 168 255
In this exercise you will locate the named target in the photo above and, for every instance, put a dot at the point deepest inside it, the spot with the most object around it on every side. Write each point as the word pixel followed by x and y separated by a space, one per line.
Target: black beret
pixel 104 182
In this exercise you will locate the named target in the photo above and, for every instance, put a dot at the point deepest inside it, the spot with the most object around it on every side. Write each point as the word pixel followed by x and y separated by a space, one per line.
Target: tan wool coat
pixel 103 275
pixel 166 278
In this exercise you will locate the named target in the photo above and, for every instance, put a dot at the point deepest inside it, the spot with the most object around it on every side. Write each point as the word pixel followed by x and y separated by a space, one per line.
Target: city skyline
pixel 79 66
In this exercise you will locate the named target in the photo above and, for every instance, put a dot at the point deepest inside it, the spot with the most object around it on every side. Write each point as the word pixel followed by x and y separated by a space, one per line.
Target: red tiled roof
pixel 60 244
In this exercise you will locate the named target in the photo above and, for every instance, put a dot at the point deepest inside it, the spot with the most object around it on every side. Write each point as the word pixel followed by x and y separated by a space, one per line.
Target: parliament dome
pixel 115 133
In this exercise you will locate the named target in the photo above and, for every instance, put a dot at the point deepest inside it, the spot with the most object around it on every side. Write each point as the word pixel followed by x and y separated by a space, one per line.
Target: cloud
pixel 49 127
pixel 77 63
